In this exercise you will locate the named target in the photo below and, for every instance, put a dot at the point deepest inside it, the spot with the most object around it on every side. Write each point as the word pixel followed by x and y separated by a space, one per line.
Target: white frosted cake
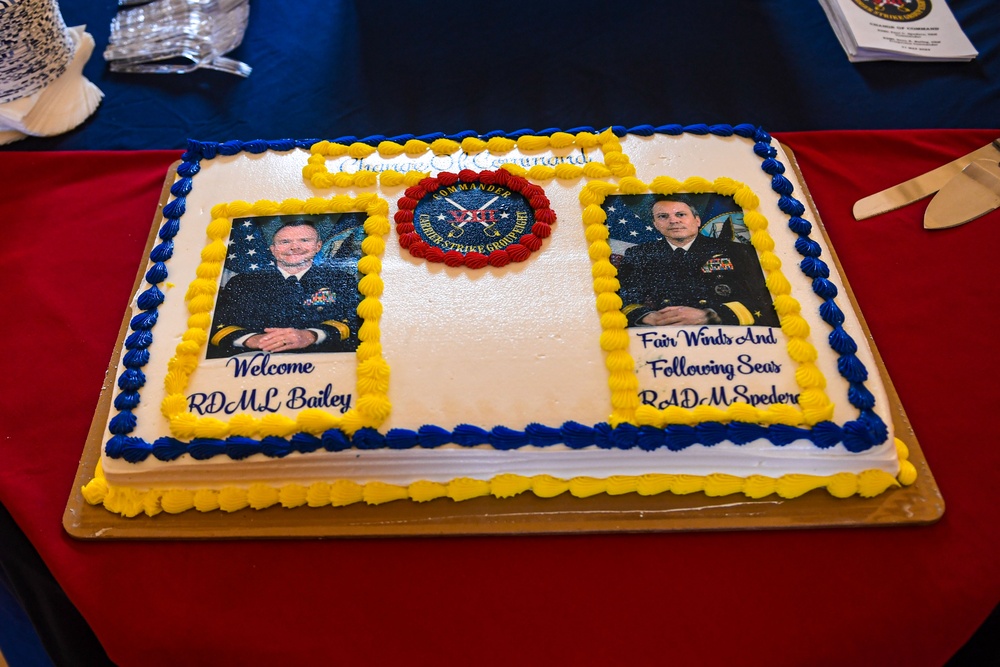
pixel 323 323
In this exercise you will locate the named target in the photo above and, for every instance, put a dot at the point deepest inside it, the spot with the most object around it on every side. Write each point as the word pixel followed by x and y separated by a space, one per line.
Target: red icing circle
pixel 516 252
pixel 476 260
pixel 499 258
pixel 531 242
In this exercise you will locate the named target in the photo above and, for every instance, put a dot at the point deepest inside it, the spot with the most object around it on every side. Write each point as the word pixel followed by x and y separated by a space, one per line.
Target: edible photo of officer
pixel 686 260
pixel 289 284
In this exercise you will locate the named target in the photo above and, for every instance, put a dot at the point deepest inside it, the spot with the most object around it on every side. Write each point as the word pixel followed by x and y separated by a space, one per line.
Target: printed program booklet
pixel 898 30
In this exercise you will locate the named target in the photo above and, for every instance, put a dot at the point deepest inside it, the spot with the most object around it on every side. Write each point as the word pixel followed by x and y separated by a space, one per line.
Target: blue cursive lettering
pixel 678 367
pixel 758 337
pixel 702 337
pixel 324 398
pixel 771 398
pixel 690 398
pixel 683 398
pixel 657 339
pixel 217 401
pixel 748 367
pixel 260 364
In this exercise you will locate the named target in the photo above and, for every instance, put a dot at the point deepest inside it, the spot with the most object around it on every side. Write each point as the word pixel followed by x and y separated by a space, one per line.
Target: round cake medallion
pixel 474 219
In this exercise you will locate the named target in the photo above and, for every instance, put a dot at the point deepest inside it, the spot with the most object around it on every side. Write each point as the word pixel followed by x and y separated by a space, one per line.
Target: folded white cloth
pixel 59 105
pixel 36 47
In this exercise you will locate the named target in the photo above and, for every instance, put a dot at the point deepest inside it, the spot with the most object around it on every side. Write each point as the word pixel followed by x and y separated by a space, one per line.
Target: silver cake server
pixel 917 188
pixel 975 191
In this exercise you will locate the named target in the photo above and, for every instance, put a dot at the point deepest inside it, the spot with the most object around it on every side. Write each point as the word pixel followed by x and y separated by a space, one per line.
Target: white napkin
pixel 58 107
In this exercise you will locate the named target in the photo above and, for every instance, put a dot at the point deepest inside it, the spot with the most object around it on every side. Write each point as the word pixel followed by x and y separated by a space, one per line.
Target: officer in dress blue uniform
pixel 295 306
pixel 689 279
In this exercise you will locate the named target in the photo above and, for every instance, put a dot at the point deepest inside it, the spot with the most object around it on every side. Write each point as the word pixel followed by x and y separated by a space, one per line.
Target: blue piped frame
pixel 859 435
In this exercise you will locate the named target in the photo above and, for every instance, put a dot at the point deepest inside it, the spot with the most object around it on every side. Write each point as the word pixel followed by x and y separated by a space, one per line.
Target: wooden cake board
pixel 920 503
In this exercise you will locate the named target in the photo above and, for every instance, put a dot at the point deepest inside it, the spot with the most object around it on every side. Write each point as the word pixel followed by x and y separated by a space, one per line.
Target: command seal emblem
pixel 902 11
pixel 474 219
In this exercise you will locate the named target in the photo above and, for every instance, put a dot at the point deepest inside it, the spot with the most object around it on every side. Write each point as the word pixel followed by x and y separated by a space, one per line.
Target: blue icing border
pixel 858 435
pixel 675 437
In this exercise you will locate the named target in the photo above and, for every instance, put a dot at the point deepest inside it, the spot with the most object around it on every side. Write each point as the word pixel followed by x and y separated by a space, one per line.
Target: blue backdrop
pixel 330 68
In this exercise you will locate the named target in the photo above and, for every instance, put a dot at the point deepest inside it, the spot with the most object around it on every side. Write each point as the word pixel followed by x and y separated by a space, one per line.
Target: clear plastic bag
pixel 177 36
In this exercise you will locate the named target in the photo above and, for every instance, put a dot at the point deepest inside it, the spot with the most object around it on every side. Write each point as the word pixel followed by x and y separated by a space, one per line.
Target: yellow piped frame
pixel 615 163
pixel 372 380
pixel 814 404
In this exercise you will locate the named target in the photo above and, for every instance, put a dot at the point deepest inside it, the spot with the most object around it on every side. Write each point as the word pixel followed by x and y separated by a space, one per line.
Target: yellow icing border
pixel 131 502
pixel 373 405
pixel 814 405
pixel 615 162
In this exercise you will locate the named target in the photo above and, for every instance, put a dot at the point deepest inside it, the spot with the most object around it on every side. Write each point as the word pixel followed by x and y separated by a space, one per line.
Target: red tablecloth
pixel 74 225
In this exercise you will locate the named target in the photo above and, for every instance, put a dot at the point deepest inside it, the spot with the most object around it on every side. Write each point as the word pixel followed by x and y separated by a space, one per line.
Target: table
pixel 76 209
